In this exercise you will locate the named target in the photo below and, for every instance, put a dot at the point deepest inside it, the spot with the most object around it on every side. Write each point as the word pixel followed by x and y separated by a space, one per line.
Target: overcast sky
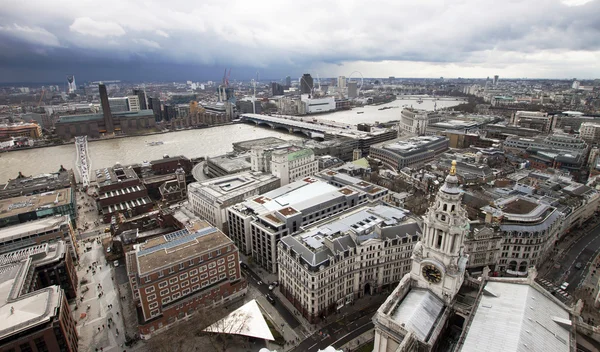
pixel 43 41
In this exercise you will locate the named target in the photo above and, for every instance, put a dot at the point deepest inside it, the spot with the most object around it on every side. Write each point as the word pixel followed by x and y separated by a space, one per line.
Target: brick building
pixel 175 275
pixel 121 191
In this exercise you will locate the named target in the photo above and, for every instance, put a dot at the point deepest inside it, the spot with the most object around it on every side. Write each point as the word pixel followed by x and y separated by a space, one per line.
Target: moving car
pixel 578 265
pixel 270 299
pixel 116 263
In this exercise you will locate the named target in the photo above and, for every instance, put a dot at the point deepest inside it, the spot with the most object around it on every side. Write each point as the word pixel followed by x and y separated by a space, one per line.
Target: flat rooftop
pixel 230 186
pixel 24 204
pixel 519 206
pixel 411 145
pixel 260 142
pixel 32 227
pixel 232 163
pixel 22 312
pixel 115 174
pixel 179 246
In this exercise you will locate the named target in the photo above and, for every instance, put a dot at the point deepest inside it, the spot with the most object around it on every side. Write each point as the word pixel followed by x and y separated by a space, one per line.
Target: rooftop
pixel 517 317
pixel 349 229
pixel 115 174
pixel 33 227
pixel 230 186
pixel 34 184
pixel 24 204
pixel 418 312
pixel 232 163
pixel 178 246
pixel 19 312
pixel 411 145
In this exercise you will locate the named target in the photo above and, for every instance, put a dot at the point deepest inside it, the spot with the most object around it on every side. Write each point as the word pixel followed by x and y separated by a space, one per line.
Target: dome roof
pixel 451 184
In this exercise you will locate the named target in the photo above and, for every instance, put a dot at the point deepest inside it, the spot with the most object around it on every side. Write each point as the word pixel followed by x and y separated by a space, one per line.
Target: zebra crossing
pixel 554 289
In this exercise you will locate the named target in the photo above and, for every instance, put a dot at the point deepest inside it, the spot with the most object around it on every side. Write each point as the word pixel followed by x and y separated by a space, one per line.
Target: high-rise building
pixel 288 81
pixel 169 112
pixel 496 80
pixel 141 94
pixel 71 86
pixel 154 104
pixel 107 115
pixel 341 82
pixel 306 84
pixel 352 90
pixel 276 88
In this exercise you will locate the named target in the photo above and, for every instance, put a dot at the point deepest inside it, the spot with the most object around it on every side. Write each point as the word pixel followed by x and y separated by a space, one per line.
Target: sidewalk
pixel 358 341
pixel 92 323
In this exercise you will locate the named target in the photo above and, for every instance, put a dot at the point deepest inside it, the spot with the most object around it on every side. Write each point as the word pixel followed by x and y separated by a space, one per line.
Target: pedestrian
pixel 117 313
pixel 109 326
pixel 103 326
pixel 98 328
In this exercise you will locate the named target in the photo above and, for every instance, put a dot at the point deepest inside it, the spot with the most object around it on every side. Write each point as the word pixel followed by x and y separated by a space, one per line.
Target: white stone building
pixel 360 252
pixel 210 199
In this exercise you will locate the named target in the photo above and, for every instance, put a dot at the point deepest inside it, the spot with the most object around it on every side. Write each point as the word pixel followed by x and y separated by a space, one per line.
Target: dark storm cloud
pixel 193 39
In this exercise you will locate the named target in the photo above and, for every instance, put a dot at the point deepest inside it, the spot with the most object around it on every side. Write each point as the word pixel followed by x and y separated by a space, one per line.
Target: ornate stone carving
pixel 417 254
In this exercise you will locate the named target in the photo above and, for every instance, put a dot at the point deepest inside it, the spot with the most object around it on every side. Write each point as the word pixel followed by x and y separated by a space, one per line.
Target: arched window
pixel 512 265
pixel 452 208
pixel 523 266
pixel 445 207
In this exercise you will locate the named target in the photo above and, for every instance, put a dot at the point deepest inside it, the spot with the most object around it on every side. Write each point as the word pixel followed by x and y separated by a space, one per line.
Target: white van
pixel 564 286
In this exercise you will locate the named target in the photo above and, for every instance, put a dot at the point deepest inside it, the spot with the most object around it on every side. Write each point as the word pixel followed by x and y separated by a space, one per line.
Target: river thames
pixel 190 143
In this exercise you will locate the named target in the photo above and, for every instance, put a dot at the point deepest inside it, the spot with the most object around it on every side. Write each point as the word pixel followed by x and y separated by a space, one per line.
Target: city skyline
pixel 182 40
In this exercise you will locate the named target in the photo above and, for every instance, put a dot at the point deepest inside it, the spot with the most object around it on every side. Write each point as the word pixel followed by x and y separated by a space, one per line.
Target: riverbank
pixel 90 140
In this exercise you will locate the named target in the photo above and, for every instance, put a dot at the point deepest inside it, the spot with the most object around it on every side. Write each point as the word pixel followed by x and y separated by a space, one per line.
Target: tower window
pixel 439 241
pixel 452 208
pixel 445 207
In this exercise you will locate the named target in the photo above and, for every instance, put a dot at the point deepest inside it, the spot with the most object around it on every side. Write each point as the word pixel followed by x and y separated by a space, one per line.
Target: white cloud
pixel 32 35
pixel 162 33
pixel 147 43
pixel 101 29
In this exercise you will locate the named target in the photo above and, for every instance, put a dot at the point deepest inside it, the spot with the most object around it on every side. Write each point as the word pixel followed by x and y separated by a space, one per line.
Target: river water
pixel 191 143
pixel 372 114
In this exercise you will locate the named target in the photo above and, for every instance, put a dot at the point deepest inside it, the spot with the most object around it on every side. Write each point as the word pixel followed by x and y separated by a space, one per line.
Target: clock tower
pixel 438 259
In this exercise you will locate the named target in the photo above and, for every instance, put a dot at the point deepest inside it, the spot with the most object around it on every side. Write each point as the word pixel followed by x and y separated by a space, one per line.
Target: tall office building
pixel 276 88
pixel 352 90
pixel 495 79
pixel 341 82
pixel 288 81
pixel 141 94
pixel 108 119
pixel 154 104
pixel 71 86
pixel 169 112
pixel 306 84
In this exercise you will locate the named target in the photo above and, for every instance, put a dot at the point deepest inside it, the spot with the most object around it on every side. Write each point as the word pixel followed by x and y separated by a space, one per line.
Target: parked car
pixel 271 299
pixel 244 265
pixel 108 250
pixel 116 263
pixel 271 287
pixel 275 283
pixel 578 265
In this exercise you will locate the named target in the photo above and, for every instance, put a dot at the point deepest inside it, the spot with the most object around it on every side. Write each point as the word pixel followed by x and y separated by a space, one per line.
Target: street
pixel 343 330
pixel 581 250
pixel 253 279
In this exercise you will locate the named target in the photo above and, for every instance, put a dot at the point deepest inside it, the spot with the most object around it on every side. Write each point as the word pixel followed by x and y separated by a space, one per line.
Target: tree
pixel 189 335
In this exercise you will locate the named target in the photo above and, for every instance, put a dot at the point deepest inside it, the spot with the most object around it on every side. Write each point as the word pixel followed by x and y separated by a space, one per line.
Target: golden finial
pixel 453 168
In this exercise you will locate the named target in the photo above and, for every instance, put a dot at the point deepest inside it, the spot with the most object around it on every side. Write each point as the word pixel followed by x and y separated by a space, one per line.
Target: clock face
pixel 431 273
